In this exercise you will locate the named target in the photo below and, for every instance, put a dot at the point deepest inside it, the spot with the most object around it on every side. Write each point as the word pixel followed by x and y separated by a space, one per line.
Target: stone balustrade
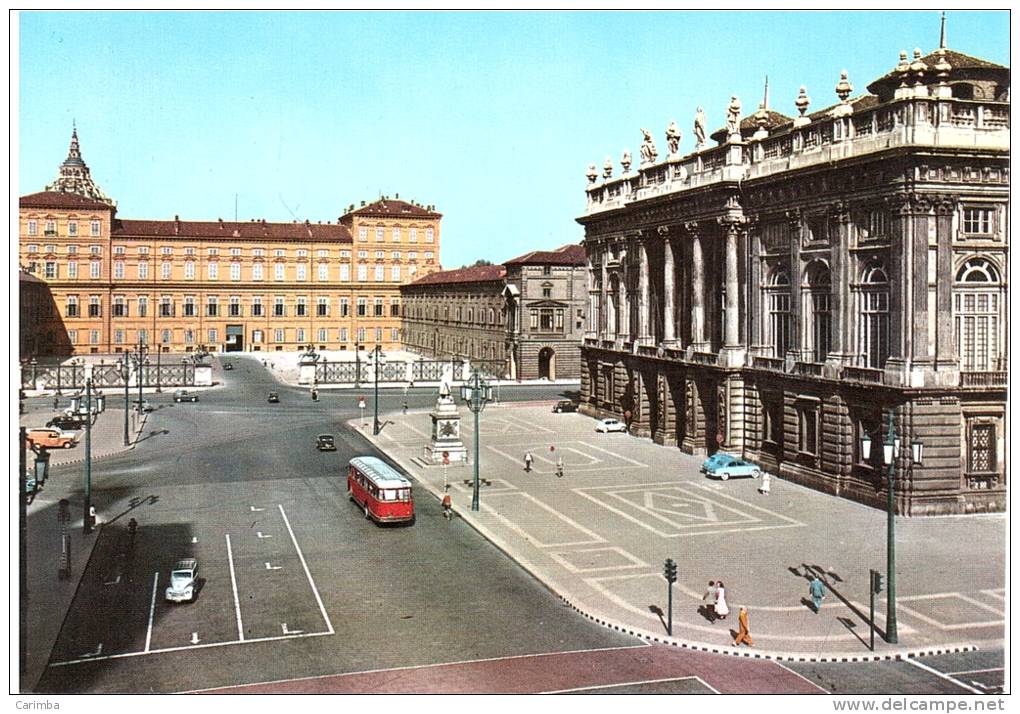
pixel 916 121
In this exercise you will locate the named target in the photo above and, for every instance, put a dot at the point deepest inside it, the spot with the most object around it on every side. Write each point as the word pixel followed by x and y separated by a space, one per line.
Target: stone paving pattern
pixel 599 535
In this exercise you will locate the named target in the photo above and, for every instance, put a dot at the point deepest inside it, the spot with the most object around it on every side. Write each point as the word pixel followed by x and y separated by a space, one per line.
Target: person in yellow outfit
pixel 744 635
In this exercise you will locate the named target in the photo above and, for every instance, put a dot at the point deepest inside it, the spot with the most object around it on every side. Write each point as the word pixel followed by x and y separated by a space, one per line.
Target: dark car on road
pixel 228 366
pixel 564 405
pixel 325 442
pixel 274 398
pixel 183 395
pixel 67 422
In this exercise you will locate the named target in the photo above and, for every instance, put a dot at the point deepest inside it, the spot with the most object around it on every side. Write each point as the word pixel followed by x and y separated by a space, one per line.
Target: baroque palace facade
pixel 780 294
pixel 218 285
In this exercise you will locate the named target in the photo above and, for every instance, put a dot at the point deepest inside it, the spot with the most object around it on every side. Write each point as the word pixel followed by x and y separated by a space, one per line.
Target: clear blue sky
pixel 493 117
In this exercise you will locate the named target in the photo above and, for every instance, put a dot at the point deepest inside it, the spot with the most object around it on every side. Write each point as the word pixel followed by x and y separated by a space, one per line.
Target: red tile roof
pixel 957 60
pixel 254 230
pixel 474 274
pixel 570 254
pixel 24 277
pixel 391 207
pixel 59 199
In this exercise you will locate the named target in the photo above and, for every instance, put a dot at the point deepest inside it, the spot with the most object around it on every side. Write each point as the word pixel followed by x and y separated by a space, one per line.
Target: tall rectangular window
pixel 302 271
pixel 379 234
pixel 118 337
pixel 300 336
pixel 71 306
pixel 780 322
pixel 94 268
pixel 189 270
pixel 234 308
pixel 118 270
pixel 93 337
pixel 323 272
pixel 214 335
pixel 214 271
pixel 345 307
pixel 279 310
pixel 345 272
pixel 72 228
pixel 143 271
pixel 33 228
pixel 212 306
pixel 362 273
pixel 143 306
pixel 278 335
pixel 119 307
pixel 235 271
pixel 256 271
pixel 378 311
pixel 361 334
pixel 256 306
pixel 322 334
pixel 143 336
pixel 278 271
pixel 189 306
pixel 981 450
pixel 362 307
pixel 363 234
pixel 95 306
pixel 50 270
pixel 165 269
pixel 166 307
pixel 301 310
pixel 413 233
pixel 322 307
pixel 396 234
pixel 395 273
pixel 343 334
pixel 808 426
pixel 977 220
pixel 380 273
pixel 95 228
pixel 429 236
pixel 72 270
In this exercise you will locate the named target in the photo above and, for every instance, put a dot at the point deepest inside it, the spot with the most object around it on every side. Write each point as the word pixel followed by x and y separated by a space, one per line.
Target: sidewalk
pixel 49 596
pixel 598 538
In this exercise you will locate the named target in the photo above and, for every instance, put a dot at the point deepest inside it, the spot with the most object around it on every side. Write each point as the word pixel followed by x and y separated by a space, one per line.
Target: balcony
pixel 863 374
pixel 708 358
pixel 772 364
pixel 984 379
pixel 807 369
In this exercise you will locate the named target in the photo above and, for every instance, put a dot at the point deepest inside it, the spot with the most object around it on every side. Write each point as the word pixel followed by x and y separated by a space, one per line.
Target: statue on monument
pixel 648 151
pixel 700 121
pixel 673 136
pixel 733 116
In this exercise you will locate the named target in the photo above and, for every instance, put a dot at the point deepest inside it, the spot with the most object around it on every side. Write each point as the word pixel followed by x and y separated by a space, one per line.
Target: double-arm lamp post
pixel 476 392
pixel 890 451
pixel 377 352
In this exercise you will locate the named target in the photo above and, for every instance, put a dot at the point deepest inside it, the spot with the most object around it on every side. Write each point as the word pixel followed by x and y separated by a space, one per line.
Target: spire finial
pixel 765 101
pixel 942 33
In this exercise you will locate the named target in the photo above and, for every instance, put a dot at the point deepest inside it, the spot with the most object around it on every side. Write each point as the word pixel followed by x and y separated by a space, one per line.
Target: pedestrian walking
pixel 528 460
pixel 766 484
pixel 817 590
pixel 743 631
pixel 447 507
pixel 405 406
pixel 722 609
pixel 559 467
pixel 56 402
pixel 710 597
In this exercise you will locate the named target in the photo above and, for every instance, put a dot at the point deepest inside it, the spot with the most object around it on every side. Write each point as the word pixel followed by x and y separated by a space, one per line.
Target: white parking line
pixel 943 675
pixel 152 610
pixel 636 683
pixel 233 584
pixel 315 590
pixel 615 455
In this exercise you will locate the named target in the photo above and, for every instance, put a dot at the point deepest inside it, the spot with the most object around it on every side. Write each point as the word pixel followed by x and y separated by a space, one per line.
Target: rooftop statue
pixel 648 151
pixel 733 116
pixel 700 122
pixel 673 136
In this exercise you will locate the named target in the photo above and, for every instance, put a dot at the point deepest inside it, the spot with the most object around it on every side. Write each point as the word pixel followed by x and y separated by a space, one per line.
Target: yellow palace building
pixel 220 285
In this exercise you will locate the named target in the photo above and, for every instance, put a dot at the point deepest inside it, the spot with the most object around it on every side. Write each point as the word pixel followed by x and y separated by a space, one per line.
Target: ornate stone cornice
pixel 839 212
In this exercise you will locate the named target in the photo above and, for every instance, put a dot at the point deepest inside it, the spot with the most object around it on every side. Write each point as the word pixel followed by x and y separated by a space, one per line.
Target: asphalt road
pixel 296 584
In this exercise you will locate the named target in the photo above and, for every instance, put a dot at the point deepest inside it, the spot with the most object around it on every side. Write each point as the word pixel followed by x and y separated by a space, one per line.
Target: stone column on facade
pixel 733 351
pixel 644 303
pixel 947 364
pixel 909 353
pixel 755 311
pixel 697 289
pixel 839 292
pixel 603 329
pixel 669 290
pixel 796 227
pixel 624 297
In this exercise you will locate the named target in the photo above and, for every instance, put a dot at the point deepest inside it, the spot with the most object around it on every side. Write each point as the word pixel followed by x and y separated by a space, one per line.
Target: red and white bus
pixel 381 491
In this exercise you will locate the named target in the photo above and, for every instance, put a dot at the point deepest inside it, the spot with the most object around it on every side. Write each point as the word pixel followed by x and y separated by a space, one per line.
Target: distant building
pixel 522 320
pixel 223 285
pixel 35 306
pixel 780 294
pixel 545 300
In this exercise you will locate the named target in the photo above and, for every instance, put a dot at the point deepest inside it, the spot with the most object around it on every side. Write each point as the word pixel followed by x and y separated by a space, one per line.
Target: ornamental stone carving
pixel 625 161
pixel 592 174
pixel 700 122
pixel 607 168
pixel 673 137
pixel 802 102
pixel 733 117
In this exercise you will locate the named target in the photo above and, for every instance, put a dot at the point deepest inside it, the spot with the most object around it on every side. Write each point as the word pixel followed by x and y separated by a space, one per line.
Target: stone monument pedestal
pixel 445 433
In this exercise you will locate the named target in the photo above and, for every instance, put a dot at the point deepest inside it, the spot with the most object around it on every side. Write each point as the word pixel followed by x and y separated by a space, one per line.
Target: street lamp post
pixel 375 406
pixel 890 451
pixel 87 520
pixel 159 351
pixel 126 372
pixel 476 392
pixel 357 363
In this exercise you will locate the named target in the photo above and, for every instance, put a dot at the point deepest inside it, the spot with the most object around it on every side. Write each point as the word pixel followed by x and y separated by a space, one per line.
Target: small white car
pixel 604 426
pixel 182 581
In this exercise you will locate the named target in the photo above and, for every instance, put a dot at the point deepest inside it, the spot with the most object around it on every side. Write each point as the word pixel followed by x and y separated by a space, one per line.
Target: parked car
pixel 183 395
pixel 564 405
pixel 50 438
pixel 182 581
pixel 723 466
pixel 274 398
pixel 147 406
pixel 67 423
pixel 605 426
pixel 325 442
pixel 228 366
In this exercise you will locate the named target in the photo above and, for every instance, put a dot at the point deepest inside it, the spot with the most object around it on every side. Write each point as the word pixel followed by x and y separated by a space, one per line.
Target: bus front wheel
pixel 367 516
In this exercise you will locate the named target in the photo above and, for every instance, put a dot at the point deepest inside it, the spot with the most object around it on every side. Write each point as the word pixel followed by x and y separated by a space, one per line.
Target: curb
pixel 772 655
pixel 106 454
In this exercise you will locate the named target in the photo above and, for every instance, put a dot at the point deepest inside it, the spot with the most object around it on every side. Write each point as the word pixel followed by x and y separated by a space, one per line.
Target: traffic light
pixel 669 570
pixel 877 581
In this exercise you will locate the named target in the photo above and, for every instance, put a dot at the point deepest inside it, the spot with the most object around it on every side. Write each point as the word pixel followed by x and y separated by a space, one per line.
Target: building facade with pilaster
pixel 780 294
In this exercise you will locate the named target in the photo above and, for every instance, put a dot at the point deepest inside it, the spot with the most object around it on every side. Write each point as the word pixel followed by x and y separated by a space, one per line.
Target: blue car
pixel 723 466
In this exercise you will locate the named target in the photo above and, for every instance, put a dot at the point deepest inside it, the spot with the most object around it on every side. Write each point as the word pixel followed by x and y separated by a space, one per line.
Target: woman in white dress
pixel 722 609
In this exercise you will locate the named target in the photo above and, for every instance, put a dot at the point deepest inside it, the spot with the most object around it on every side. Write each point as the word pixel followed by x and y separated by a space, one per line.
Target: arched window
pixel 817 295
pixel 874 311
pixel 977 313
pixel 780 319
